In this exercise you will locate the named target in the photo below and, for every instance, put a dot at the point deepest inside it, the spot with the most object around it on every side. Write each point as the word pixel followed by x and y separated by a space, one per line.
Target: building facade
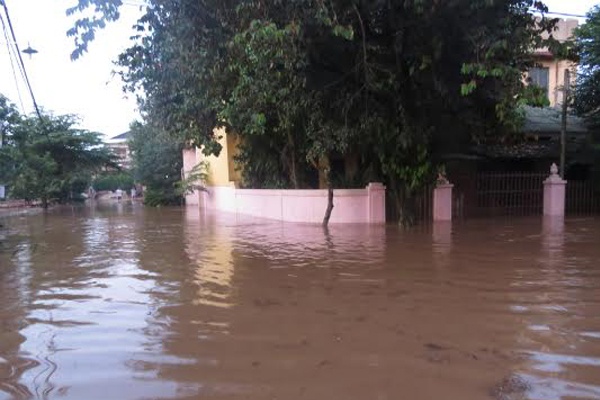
pixel 549 73
pixel 119 145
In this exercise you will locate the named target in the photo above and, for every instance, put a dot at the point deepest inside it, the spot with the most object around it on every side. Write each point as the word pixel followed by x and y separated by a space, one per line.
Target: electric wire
pixel 20 58
pixel 12 63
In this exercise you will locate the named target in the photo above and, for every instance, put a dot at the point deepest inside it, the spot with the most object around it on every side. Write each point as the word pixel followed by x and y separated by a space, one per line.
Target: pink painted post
pixel 442 201
pixel 376 193
pixel 554 194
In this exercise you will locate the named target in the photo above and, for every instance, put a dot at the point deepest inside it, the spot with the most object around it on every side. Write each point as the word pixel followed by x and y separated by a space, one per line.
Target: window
pixel 539 77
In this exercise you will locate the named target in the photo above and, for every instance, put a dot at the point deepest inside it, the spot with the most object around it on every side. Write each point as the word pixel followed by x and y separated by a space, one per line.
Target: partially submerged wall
pixel 304 206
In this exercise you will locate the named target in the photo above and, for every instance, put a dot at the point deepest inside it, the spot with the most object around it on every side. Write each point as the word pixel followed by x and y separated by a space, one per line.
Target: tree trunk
pixel 293 165
pixel 294 172
pixel 407 208
pixel 329 199
pixel 404 202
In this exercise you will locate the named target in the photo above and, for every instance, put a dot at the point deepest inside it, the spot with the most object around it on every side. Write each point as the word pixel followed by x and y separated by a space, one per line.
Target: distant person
pixel 119 193
pixel 133 192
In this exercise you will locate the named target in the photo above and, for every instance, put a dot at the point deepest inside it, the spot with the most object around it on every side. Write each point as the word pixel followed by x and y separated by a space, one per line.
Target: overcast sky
pixel 86 87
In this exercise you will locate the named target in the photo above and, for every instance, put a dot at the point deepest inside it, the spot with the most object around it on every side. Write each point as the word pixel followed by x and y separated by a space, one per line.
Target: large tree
pixel 47 159
pixel 157 163
pixel 587 92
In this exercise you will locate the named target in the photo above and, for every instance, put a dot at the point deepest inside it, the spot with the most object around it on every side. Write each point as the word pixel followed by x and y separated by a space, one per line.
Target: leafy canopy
pixel 157 163
pixel 47 159
pixel 587 91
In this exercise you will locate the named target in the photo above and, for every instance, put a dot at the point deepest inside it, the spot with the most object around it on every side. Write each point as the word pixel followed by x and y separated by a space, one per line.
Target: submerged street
pixel 125 302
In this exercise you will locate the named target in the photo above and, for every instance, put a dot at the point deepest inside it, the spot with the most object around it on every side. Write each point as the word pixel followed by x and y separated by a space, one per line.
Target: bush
pixel 157 197
pixel 113 181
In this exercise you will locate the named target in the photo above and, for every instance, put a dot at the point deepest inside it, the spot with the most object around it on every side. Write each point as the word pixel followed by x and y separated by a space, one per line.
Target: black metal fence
pixel 424 204
pixel 582 198
pixel 515 194
pixel 509 194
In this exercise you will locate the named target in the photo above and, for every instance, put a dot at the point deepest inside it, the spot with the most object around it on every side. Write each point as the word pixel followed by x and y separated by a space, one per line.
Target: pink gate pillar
pixel 554 194
pixel 442 201
pixel 376 192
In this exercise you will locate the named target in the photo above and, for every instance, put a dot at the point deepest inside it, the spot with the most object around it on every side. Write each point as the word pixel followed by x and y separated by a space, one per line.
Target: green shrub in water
pixel 113 181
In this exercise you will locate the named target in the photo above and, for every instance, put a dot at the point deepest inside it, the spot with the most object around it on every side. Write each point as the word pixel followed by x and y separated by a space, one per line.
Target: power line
pixel 134 4
pixel 561 14
pixel 9 43
pixel 20 58
pixel 12 64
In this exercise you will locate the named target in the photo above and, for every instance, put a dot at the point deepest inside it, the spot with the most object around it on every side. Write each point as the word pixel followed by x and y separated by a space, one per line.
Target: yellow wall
pixel 222 168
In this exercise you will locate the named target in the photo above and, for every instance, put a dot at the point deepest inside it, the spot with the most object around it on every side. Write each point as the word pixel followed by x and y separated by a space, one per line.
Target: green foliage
pixel 161 196
pixel 157 163
pixel 84 29
pixel 587 91
pixel 195 180
pixel 48 159
pixel 535 96
pixel 113 180
pixel 267 96
pixel 176 67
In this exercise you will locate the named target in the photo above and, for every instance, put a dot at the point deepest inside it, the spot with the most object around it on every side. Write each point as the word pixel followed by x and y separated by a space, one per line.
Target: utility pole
pixel 563 129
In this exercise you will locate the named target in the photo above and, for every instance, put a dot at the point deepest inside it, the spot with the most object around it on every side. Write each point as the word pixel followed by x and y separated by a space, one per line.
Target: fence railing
pixel 509 194
pixel 582 198
pixel 424 204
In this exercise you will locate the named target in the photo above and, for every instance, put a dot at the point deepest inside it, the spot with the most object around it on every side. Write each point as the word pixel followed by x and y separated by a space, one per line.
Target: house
pixel 549 72
pixel 120 147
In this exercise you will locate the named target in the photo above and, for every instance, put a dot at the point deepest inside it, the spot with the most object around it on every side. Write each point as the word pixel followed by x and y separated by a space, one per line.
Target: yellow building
pixel 550 71
pixel 222 169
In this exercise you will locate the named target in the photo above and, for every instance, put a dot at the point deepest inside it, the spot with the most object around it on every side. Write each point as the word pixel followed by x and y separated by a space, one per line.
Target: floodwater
pixel 122 302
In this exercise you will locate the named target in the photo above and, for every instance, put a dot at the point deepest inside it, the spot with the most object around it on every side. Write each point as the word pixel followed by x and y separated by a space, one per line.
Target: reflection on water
pixel 131 303
pixel 214 261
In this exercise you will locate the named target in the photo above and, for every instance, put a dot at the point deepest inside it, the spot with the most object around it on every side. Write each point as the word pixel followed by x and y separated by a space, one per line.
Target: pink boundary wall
pixel 304 206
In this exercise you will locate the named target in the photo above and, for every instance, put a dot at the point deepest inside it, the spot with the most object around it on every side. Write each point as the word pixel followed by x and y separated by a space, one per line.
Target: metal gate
pixel 582 198
pixel 510 194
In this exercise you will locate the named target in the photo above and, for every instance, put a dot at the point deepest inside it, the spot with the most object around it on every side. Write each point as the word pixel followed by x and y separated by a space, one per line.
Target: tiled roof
pixel 548 120
pixel 122 136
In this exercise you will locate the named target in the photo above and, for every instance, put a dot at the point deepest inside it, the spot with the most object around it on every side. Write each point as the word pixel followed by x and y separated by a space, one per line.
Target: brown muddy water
pixel 123 302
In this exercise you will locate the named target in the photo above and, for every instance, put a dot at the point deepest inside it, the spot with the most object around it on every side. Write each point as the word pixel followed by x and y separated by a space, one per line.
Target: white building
pixel 120 147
